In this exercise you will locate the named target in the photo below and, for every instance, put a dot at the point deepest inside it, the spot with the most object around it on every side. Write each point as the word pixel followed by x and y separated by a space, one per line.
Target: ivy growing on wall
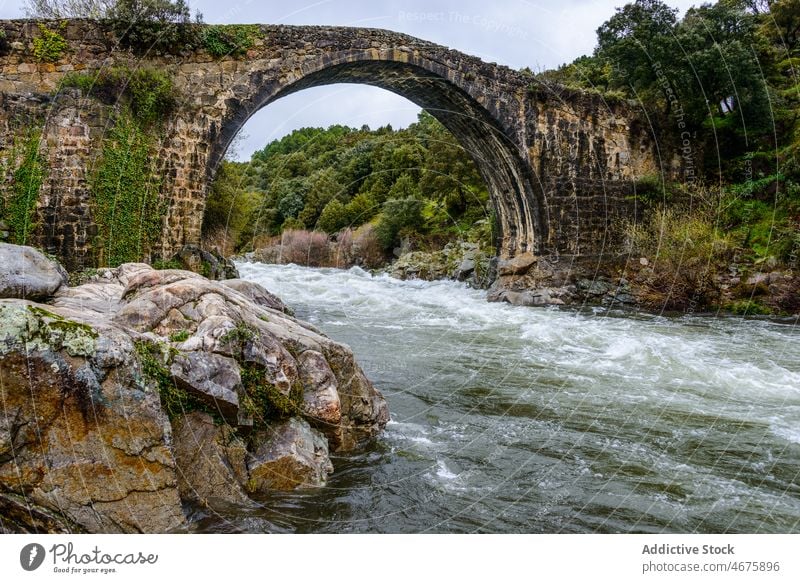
pixel 125 187
pixel 21 194
pixel 126 204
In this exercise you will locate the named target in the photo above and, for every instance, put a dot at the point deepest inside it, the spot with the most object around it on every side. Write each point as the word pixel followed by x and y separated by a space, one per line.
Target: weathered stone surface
pixel 211 461
pixel 258 294
pixel 27 273
pixel 516 266
pixel 559 164
pixel 206 263
pixel 321 403
pixel 288 456
pixel 212 378
pixel 79 438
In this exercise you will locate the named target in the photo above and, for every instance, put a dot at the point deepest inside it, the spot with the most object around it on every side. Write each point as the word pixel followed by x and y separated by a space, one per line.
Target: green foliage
pixel 20 198
pixel 340 177
pixel 397 216
pixel 748 308
pixel 334 217
pixel 153 25
pixel 230 39
pixel 125 195
pixel 171 264
pixel 179 336
pixel 263 400
pixel 149 93
pixel 49 46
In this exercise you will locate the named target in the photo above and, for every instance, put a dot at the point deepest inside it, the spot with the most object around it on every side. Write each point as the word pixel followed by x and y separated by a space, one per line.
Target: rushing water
pixel 510 419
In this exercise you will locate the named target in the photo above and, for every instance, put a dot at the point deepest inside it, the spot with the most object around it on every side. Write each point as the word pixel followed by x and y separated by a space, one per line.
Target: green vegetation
pixel 179 336
pixel 18 200
pixel 125 194
pixel 415 185
pixel 125 184
pixel 264 401
pixel 229 39
pixel 148 93
pixel 49 46
pixel 153 25
pixel 171 264
pixel 720 88
pixel 155 360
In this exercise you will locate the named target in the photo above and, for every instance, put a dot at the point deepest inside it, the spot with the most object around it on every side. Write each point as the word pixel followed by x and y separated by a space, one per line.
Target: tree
pixel 398 215
pixel 638 41
pixel 145 25
pixel 333 218
pixel 68 8
pixel 784 23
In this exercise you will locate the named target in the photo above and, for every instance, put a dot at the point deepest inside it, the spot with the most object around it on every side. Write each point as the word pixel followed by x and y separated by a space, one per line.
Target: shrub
pixel 685 252
pixel 49 46
pixel 304 248
pixel 232 39
pixel 149 93
pixel 334 217
pixel 398 214
pixel 157 25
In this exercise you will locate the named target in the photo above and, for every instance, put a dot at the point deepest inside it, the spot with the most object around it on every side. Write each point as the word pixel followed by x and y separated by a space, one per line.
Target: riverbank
pixel 615 281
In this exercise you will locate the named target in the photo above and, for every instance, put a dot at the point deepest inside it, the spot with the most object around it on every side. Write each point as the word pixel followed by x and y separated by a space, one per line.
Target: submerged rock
pixel 27 273
pixel 143 389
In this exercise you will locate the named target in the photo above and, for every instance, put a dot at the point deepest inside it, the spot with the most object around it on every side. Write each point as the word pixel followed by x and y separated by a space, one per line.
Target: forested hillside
pixel 416 183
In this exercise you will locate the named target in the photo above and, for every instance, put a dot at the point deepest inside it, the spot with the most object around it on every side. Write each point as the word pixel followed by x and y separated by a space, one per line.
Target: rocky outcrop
pixel 142 390
pixel 206 263
pixel 461 261
pixel 27 273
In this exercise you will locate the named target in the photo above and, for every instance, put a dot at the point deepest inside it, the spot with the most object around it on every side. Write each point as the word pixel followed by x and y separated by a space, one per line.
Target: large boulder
pixel 142 390
pixel 288 456
pixel 83 437
pixel 27 273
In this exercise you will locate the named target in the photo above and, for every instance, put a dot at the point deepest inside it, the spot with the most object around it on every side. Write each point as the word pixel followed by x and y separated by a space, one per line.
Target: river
pixel 507 419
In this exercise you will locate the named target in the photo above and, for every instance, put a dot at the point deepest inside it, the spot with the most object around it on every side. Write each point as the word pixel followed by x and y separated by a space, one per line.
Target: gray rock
pixel 321 403
pixel 258 294
pixel 212 378
pixel 206 263
pixel 289 455
pixel 211 461
pixel 27 273
pixel 464 270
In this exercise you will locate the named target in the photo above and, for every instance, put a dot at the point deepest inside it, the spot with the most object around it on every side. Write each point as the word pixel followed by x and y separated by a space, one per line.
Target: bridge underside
pixel 509 177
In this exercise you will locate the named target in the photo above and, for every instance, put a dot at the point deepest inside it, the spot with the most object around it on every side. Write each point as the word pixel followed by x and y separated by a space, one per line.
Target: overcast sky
pixel 519 33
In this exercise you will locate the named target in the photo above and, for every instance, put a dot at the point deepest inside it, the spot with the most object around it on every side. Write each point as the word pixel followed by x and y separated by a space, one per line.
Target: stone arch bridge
pixel 560 165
